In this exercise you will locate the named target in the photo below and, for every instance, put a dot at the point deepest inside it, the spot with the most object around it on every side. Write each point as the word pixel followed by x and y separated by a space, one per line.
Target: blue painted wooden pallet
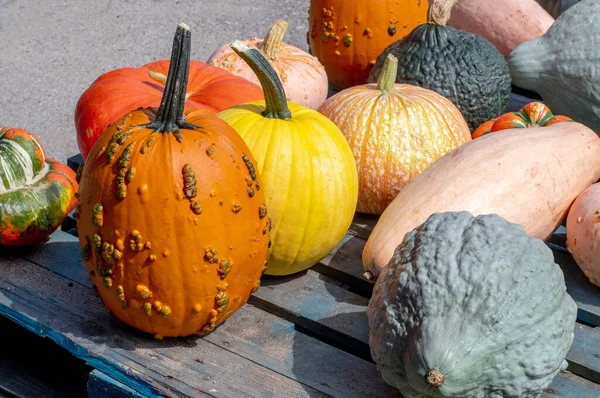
pixel 304 335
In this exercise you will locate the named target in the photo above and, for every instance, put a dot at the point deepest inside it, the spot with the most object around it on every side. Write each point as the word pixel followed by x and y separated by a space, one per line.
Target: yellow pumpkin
pixel 395 131
pixel 307 167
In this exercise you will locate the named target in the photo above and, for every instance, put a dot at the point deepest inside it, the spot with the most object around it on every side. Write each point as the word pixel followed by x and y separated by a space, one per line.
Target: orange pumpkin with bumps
pixel 172 220
pixel 347 36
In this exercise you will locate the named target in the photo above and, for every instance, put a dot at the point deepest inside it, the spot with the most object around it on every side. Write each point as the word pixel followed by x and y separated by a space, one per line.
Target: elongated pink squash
pixel 505 23
pixel 583 232
pixel 528 176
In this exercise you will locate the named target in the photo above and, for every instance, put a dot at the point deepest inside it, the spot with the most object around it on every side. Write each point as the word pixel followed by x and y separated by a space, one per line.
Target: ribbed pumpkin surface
pixel 394 136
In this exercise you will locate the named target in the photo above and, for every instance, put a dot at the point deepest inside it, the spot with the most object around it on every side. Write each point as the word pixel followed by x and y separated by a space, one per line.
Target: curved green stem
pixel 275 101
pixel 169 117
pixel 387 78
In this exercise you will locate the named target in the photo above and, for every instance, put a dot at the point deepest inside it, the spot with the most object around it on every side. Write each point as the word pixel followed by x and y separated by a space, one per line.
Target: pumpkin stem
pixel 440 10
pixel 275 101
pixel 434 378
pixel 271 45
pixel 158 77
pixel 169 117
pixel 387 78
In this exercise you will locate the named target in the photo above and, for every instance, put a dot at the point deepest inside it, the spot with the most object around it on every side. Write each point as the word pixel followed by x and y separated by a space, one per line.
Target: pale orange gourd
pixel 172 220
pixel 347 36
pixel 583 232
pixel 303 77
pixel 528 176
pixel 395 132
pixel 505 23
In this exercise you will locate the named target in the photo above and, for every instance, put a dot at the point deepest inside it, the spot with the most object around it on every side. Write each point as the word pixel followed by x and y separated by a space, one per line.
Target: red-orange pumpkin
pixel 123 90
pixel 172 223
pixel 534 114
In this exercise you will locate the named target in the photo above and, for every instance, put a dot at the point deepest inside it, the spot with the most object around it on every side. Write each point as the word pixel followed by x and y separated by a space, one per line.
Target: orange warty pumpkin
pixel 534 114
pixel 347 36
pixel 123 90
pixel 395 132
pixel 172 220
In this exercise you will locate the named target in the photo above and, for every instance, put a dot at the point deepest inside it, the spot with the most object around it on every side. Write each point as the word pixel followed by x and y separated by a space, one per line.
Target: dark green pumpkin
pixel 36 193
pixel 463 67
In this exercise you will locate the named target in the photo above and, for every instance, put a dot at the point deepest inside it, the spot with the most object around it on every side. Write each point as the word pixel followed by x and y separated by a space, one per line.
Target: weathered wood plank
pixel 102 386
pixel 292 360
pixel 275 344
pixel 586 295
pixel 571 386
pixel 584 356
pixel 68 313
pixel 331 312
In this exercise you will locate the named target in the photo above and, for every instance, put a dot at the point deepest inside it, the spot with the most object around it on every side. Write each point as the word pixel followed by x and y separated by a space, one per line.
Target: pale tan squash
pixel 583 232
pixel 505 23
pixel 528 176
pixel 303 77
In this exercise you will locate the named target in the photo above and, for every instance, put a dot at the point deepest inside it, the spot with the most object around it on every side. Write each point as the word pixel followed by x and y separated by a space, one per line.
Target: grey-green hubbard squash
pixel 470 307
pixel 463 67
pixel 563 65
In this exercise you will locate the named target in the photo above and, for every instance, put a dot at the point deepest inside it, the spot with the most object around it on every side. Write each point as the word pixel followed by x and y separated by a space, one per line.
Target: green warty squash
pixel 470 307
pixel 463 67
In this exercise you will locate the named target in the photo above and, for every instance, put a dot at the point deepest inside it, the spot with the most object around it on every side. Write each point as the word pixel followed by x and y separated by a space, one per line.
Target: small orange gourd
pixel 172 220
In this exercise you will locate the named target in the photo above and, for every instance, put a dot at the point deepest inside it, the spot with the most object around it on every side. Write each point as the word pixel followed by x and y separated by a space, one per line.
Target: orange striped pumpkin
pixel 395 131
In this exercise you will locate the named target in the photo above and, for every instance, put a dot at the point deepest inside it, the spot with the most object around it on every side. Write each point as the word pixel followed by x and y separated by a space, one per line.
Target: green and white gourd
pixel 36 193
pixel 470 307
pixel 563 65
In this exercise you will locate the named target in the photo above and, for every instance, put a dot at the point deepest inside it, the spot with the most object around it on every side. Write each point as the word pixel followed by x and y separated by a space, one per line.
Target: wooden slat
pixel 586 295
pixel 102 386
pixel 331 312
pixel 254 334
pixel 69 314
pixel 274 343
pixel 584 356
pixel 572 386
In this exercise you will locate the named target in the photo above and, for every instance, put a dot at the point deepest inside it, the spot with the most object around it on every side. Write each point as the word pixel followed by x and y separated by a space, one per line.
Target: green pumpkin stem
pixel 440 11
pixel 169 117
pixel 387 78
pixel 271 45
pixel 275 101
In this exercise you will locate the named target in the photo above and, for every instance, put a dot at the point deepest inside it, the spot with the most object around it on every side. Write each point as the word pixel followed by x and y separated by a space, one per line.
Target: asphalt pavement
pixel 51 51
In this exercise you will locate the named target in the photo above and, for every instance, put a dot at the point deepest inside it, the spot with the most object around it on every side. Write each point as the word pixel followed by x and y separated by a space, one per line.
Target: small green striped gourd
pixel 36 193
